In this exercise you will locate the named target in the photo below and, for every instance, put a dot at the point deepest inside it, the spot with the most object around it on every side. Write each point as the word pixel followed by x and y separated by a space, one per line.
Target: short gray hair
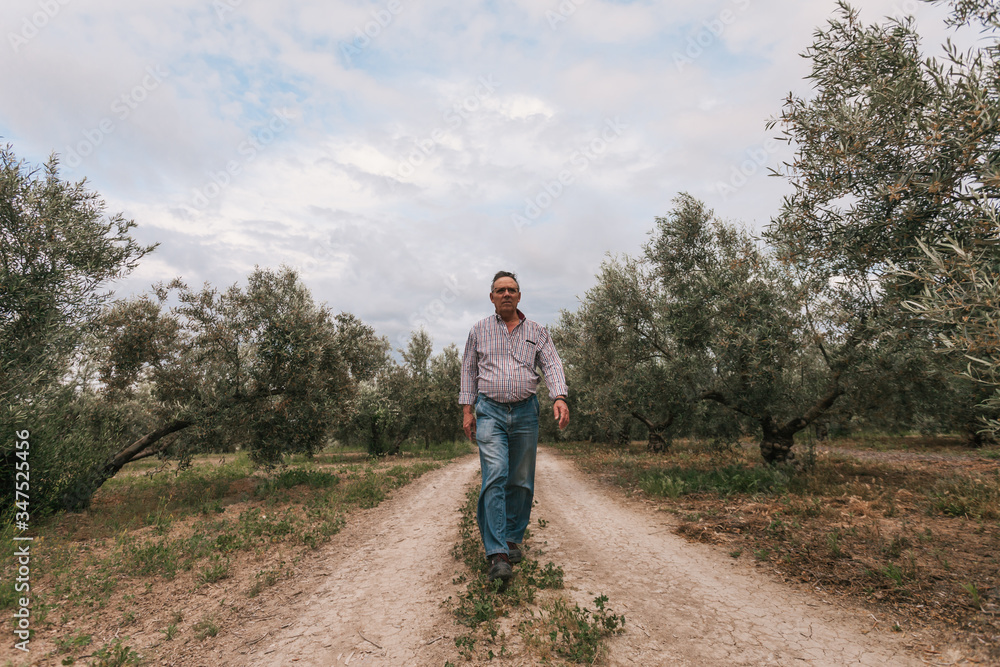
pixel 504 274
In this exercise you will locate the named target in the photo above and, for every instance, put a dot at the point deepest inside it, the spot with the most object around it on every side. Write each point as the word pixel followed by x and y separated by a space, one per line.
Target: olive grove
pixel 99 382
pixel 871 298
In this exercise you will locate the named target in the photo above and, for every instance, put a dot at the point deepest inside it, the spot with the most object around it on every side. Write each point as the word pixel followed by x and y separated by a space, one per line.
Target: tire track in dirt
pixel 379 599
pixel 685 603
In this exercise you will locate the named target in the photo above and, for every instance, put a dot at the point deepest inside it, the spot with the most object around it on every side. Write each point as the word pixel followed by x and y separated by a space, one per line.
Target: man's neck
pixel 512 321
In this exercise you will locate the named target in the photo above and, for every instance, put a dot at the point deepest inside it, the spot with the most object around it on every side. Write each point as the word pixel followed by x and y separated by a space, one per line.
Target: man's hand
pixel 469 422
pixel 561 413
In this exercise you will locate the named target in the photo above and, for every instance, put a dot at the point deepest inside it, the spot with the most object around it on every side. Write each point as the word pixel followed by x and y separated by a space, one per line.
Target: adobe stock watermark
pixel 32 25
pixel 224 7
pixel 382 18
pixel 578 163
pixel 756 159
pixel 121 108
pixel 247 150
pixel 711 31
pixel 562 12
pixel 903 9
pixel 454 118
pixel 434 311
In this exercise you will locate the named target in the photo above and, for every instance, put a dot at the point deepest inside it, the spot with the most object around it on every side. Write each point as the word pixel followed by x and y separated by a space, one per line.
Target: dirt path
pixel 686 604
pixel 376 599
pixel 376 596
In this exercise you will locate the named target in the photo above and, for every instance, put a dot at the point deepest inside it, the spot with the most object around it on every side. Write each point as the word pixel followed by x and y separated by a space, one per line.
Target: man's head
pixel 505 293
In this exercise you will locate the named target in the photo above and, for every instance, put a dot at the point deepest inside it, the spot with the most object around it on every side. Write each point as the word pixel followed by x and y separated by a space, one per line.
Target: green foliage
pixel 286 479
pixel 58 251
pixel 548 577
pixel 974 596
pixel 205 628
pixel 706 314
pixel 148 558
pixel 414 402
pixel 961 496
pixel 896 154
pixel 217 570
pixel 663 485
pixel 116 654
pixel 71 643
pixel 891 149
pixel 576 634
pixel 833 540
pixel 261 368
pixel 893 573
pixel 264 579
pixel 725 481
pixel 960 297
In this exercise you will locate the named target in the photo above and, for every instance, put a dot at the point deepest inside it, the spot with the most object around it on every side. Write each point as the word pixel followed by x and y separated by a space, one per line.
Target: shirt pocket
pixel 526 352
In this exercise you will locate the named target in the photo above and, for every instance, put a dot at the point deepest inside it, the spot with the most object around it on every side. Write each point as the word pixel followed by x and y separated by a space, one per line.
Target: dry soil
pixel 377 595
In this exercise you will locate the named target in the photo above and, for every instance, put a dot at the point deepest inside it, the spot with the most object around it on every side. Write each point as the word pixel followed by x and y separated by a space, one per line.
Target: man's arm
pixel 469 386
pixel 469 422
pixel 555 378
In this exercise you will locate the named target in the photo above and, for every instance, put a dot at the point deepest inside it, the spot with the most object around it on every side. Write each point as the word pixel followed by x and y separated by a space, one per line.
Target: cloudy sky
pixel 399 152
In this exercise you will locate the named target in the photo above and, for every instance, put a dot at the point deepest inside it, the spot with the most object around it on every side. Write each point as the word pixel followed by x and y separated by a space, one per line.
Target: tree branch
pixel 720 398
pixel 819 407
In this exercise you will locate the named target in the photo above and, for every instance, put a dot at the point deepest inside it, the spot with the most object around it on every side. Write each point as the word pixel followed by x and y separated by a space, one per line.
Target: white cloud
pixel 396 176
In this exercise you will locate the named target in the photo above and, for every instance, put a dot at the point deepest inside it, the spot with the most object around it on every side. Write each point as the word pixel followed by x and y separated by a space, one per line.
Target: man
pixel 501 412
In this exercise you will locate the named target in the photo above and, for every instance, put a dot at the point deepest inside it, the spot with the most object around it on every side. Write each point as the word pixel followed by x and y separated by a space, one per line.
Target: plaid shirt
pixel 501 363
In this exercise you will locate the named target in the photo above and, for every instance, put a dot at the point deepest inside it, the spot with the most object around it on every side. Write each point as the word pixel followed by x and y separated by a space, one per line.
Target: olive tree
pixel 59 250
pixel 707 314
pixel 261 367
pixel 618 380
pixel 961 290
pixel 894 153
pixel 415 400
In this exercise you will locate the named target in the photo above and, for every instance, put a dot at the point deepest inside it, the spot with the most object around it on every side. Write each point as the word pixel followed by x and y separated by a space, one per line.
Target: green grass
pixel 72 643
pixel 264 579
pixel 205 628
pixel 962 496
pixel 577 634
pixel 217 570
pixel 974 596
pixel 292 477
pixel 893 573
pixel 676 481
pixel 116 654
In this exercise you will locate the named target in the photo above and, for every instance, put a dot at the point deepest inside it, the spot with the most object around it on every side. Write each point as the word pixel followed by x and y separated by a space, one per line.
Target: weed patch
pixel 287 479
pixel 576 634
pixel 116 654
pixel 547 627
pixel 973 498
pixel 205 628
pixel 677 481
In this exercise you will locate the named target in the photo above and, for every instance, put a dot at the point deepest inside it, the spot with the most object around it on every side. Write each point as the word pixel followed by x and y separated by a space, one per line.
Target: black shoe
pixel 514 553
pixel 500 568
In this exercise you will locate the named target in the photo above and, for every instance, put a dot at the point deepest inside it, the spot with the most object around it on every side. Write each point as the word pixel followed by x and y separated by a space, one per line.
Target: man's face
pixel 505 296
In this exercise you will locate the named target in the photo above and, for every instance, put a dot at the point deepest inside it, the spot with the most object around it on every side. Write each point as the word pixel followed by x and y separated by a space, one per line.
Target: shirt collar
pixel 520 316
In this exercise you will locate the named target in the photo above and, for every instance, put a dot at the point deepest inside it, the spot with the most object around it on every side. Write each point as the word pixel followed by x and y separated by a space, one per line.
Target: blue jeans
pixel 507 434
